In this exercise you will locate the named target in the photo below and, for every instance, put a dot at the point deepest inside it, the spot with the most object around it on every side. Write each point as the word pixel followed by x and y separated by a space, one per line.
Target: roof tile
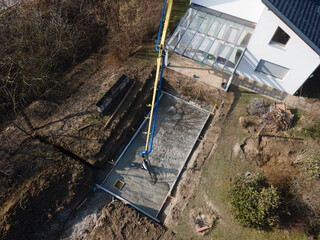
pixel 303 14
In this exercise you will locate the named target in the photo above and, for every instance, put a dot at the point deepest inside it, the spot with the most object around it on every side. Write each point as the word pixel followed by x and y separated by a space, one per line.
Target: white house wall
pixel 249 10
pixel 296 56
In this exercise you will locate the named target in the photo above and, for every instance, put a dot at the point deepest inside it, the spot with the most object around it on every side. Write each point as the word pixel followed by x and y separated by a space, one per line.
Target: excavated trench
pixel 65 151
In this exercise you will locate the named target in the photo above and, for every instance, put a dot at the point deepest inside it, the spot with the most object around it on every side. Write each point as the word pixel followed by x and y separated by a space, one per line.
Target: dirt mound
pixel 202 217
pixel 251 149
pixel 44 184
pixel 275 155
pixel 119 221
pixel 198 92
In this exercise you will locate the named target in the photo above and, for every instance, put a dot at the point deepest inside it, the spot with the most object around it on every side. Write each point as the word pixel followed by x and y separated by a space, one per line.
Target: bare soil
pixel 48 170
pixel 89 227
pixel 43 187
pixel 119 221
pixel 51 156
pixel 285 157
pixel 77 127
pixel 48 164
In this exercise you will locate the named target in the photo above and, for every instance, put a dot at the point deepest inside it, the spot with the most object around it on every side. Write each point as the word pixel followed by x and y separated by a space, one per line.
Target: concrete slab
pixel 178 127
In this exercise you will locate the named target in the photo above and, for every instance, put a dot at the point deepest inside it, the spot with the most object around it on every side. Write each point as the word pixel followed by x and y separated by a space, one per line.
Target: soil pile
pixel 44 184
pixel 119 221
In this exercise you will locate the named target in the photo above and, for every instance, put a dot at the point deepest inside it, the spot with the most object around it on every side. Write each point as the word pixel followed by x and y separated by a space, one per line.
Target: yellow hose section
pixel 154 98
pixel 166 23
pixel 159 63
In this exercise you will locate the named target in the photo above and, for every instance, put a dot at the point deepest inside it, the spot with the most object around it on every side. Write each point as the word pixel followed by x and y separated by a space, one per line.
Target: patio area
pixel 202 72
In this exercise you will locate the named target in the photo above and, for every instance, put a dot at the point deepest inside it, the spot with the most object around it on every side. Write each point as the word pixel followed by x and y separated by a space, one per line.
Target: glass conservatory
pixel 211 37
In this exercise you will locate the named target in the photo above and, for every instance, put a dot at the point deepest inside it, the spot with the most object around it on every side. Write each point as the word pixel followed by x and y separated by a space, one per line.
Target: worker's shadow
pixel 150 170
pixel 153 175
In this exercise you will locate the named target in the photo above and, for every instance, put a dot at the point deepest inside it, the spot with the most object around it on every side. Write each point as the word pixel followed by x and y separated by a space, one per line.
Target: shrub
pixel 254 201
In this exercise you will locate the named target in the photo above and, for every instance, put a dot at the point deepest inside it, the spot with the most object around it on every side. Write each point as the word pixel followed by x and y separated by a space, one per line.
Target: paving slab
pixel 178 127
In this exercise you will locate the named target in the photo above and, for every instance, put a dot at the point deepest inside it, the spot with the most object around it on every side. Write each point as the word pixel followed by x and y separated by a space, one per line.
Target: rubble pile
pixel 258 107
pixel 279 118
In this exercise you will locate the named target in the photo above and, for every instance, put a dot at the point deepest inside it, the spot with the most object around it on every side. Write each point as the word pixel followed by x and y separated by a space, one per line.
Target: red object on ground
pixel 203 229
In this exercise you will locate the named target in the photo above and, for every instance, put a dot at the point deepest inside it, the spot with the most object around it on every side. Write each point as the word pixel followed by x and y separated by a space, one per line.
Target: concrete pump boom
pixel 158 80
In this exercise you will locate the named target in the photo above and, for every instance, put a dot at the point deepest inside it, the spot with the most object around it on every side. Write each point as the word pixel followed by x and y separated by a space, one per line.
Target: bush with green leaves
pixel 255 203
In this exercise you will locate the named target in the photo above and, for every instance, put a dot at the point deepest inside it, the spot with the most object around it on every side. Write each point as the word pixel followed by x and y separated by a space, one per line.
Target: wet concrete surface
pixel 178 127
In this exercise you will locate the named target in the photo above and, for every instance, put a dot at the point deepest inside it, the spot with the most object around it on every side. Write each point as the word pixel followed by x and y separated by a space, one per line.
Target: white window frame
pixel 262 64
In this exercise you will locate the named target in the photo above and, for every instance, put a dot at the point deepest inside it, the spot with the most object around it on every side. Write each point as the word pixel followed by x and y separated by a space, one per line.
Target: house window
pixel 280 37
pixel 272 69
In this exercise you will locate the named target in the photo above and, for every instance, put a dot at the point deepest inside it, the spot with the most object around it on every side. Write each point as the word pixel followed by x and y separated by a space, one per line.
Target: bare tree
pixel 130 22
pixel 44 38
pixel 38 42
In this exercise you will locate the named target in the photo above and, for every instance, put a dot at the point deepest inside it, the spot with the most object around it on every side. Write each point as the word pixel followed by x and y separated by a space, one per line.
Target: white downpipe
pixel 234 71
pixel 166 57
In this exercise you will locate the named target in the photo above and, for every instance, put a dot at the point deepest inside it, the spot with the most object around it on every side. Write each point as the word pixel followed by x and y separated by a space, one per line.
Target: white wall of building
pixel 250 10
pixel 296 55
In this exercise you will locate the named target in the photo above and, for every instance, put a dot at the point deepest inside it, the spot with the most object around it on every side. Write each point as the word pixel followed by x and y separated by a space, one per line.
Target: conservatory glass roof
pixel 211 37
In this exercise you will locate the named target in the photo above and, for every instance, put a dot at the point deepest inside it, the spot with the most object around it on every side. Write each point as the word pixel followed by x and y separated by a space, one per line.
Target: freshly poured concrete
pixel 178 127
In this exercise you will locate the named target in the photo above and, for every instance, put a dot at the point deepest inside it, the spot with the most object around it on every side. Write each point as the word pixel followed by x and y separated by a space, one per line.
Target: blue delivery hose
pixel 160 82
pixel 161 24
pixel 156 110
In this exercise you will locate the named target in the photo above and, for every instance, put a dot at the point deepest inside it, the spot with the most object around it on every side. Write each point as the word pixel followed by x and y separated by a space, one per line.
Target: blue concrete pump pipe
pixel 161 24
pixel 156 110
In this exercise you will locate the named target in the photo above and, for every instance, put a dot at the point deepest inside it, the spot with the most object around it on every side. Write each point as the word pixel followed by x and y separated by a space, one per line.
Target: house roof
pixel 249 10
pixel 302 16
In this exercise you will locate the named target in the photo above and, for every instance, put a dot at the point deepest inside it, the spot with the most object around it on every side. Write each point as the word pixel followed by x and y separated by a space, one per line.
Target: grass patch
pixel 297 115
pixel 309 132
pixel 305 125
pixel 217 175
pixel 145 56
pixel 179 9
pixel 92 119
